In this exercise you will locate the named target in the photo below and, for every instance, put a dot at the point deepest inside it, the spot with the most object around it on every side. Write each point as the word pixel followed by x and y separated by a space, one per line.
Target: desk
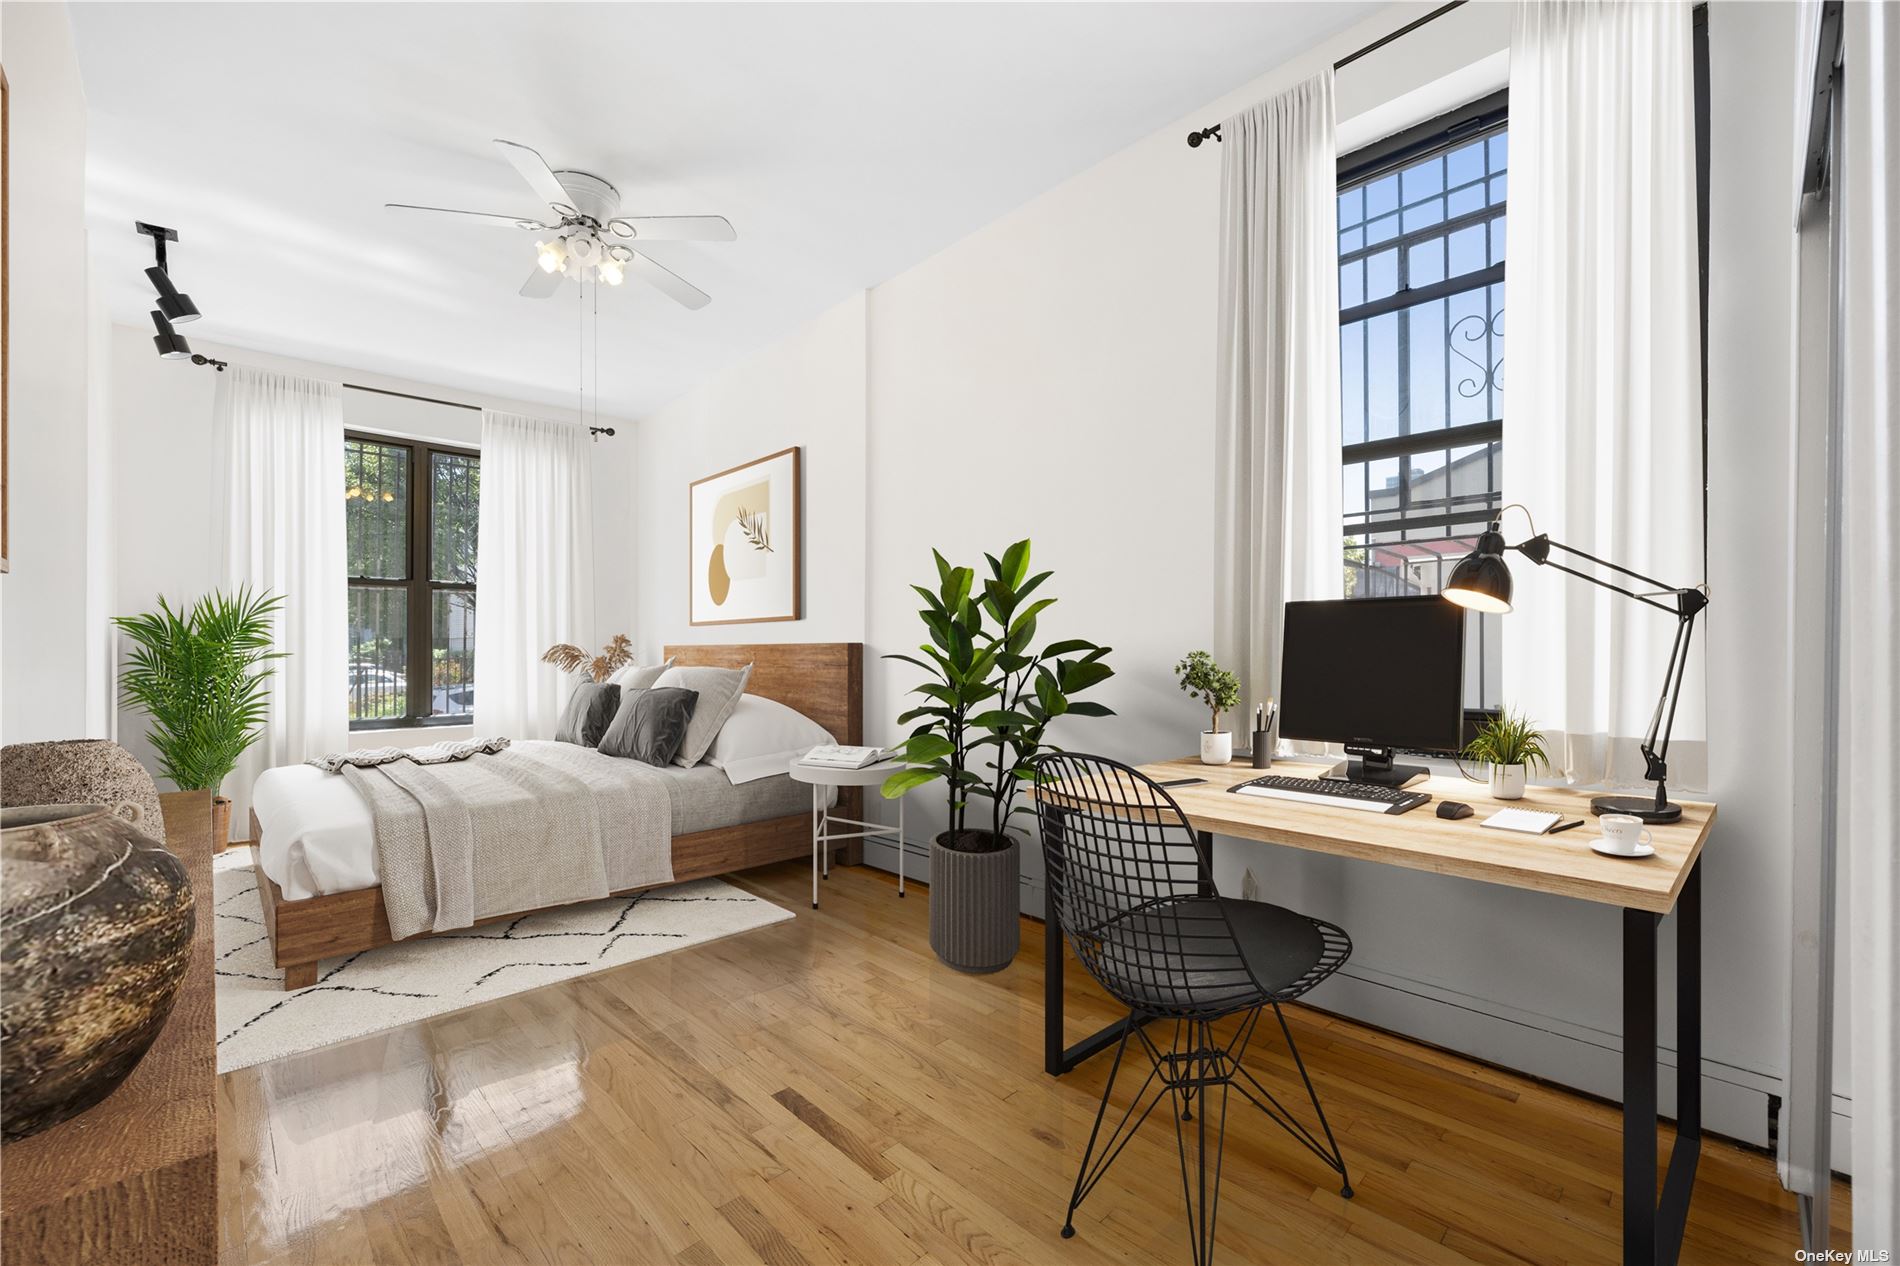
pixel 1643 889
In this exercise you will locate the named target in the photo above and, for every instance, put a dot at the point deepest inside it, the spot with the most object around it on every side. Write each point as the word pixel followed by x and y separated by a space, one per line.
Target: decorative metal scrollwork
pixel 1485 373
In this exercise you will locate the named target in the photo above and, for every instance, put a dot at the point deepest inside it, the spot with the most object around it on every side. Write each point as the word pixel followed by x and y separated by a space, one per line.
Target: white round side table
pixel 823 819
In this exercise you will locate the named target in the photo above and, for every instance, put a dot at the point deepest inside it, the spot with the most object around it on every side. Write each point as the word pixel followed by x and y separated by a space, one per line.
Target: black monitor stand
pixel 1375 765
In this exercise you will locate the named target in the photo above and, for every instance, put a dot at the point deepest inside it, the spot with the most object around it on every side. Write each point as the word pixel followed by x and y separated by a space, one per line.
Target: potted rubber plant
pixel 1219 691
pixel 202 675
pixel 1511 745
pixel 988 699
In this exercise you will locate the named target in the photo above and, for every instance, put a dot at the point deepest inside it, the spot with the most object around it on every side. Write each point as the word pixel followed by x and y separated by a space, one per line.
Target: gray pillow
pixel 650 725
pixel 590 710
pixel 719 690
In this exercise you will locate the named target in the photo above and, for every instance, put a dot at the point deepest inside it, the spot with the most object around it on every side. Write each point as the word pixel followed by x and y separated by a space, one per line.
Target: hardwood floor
pixel 824 1091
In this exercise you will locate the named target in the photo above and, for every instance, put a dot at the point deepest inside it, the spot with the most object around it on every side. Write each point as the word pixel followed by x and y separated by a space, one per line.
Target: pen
pixel 1565 826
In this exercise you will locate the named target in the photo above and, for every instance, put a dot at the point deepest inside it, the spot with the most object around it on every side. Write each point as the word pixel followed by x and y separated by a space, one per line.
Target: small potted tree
pixel 201 676
pixel 1218 690
pixel 988 698
pixel 1511 745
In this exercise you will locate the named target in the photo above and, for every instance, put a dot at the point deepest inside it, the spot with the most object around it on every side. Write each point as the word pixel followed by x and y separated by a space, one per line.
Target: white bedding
pixel 319 837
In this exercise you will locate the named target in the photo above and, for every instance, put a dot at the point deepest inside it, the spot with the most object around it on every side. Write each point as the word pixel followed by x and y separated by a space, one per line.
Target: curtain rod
pixel 1195 138
pixel 453 404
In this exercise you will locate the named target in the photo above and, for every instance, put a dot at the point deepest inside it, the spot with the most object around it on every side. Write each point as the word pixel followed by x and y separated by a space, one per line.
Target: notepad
pixel 1529 821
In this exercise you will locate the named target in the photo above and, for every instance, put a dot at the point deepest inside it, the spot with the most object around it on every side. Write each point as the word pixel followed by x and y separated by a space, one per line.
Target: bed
pixel 760 824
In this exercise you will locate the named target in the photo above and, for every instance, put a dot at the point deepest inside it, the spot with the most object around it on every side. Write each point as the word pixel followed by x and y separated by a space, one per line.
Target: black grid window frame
pixel 1481 119
pixel 418 584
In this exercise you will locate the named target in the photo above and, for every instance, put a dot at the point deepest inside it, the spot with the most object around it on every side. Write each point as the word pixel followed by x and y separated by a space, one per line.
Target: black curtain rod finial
pixel 1195 138
pixel 598 431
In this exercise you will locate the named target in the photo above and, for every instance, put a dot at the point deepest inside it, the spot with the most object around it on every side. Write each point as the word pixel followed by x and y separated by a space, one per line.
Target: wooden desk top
pixel 133 1179
pixel 1421 840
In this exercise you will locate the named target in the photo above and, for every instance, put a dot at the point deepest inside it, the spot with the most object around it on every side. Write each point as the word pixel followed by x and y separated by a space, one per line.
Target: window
pixel 412 515
pixel 1421 350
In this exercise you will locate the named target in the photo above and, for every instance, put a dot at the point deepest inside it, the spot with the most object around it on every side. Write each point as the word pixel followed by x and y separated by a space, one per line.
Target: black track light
pixel 178 308
pixel 170 343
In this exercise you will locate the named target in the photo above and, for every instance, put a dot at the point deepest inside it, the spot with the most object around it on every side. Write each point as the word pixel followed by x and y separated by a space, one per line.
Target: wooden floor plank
pixel 822 1092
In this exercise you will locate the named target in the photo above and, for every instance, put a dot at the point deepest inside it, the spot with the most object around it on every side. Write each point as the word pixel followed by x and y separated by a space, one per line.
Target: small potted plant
pixel 1511 745
pixel 1218 690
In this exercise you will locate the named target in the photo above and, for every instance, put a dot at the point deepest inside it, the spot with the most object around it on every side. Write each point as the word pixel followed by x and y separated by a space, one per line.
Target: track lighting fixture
pixel 178 308
pixel 170 343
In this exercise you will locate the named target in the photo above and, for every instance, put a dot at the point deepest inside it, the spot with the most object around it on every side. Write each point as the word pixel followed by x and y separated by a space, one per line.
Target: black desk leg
pixel 1652 1229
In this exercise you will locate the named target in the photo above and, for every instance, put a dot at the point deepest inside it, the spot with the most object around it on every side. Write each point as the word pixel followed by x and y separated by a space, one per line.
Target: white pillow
pixel 634 677
pixel 761 738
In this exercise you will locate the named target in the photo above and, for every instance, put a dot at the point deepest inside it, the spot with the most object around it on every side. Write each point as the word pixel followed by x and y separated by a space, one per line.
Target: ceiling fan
pixel 588 236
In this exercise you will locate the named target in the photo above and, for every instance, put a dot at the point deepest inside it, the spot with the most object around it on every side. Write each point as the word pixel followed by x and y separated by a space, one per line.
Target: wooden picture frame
pixel 744 552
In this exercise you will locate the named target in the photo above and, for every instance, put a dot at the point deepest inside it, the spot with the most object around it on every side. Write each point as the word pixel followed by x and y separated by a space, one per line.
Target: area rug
pixel 399 984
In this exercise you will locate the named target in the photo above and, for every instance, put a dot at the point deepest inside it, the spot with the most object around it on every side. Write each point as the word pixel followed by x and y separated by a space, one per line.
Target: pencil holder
pixel 1263 749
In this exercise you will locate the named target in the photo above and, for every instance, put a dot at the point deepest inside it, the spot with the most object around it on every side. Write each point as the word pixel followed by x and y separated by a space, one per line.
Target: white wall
pixel 1051 376
pixel 55 684
pixel 167 500
pixel 807 389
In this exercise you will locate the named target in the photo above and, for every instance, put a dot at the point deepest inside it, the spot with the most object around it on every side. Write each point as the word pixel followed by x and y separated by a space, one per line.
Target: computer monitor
pixel 1376 674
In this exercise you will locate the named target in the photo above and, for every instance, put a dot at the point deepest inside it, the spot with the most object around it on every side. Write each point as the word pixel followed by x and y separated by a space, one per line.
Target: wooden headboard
pixel 823 680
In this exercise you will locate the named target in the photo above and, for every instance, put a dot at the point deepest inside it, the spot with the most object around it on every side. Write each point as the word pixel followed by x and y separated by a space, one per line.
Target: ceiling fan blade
pixel 666 281
pixel 540 284
pixel 482 217
pixel 673 228
pixel 540 177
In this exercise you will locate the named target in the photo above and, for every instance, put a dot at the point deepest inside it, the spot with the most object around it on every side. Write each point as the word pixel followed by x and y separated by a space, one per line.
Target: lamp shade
pixel 178 308
pixel 170 343
pixel 1482 581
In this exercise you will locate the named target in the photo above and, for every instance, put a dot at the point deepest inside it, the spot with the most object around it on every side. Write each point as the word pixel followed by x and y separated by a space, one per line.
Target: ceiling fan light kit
pixel 589 230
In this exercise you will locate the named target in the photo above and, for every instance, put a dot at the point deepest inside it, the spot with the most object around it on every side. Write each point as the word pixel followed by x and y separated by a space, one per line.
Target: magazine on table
pixel 833 756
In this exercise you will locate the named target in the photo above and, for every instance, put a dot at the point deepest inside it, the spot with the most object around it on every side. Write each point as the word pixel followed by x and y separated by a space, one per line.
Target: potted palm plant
pixel 201 676
pixel 1218 690
pixel 1511 745
pixel 988 699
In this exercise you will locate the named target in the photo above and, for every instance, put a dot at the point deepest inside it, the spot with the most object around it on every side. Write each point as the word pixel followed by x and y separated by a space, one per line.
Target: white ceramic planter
pixel 1507 782
pixel 1217 748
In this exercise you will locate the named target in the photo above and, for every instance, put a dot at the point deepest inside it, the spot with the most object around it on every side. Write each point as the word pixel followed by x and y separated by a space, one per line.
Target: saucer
pixel 1642 850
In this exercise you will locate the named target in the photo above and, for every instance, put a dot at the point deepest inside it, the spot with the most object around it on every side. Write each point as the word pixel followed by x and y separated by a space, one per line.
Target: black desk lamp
pixel 1482 582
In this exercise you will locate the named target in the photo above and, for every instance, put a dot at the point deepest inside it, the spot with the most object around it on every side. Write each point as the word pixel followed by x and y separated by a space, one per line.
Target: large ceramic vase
pixel 81 771
pixel 95 935
pixel 973 907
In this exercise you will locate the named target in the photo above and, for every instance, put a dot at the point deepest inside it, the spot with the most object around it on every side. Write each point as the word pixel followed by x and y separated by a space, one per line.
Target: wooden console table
pixel 134 1179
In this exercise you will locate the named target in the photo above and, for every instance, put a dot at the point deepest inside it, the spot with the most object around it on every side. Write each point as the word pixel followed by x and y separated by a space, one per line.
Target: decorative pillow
pixel 634 677
pixel 761 738
pixel 650 725
pixel 719 690
pixel 590 710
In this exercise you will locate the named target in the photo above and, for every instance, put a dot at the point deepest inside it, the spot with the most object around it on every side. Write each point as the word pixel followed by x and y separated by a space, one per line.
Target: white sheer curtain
pixel 280 471
pixel 1603 417
pixel 534 580
pixel 1867 209
pixel 1277 468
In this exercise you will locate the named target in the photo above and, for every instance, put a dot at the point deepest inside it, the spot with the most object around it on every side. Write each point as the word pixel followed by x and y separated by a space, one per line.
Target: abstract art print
pixel 743 542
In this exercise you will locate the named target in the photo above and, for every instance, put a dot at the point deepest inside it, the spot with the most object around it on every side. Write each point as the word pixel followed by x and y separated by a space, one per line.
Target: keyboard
pixel 1334 793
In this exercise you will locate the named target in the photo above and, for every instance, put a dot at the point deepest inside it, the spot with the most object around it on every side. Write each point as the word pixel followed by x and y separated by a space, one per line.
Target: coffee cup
pixel 1624 833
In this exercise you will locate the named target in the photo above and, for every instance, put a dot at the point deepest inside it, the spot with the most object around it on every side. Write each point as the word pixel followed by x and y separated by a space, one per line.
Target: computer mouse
pixel 1453 809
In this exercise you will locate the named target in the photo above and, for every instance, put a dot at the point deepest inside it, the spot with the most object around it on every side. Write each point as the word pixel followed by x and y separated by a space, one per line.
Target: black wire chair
pixel 1135 894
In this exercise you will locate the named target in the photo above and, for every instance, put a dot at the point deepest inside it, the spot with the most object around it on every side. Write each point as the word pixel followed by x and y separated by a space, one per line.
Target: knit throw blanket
pixel 433 754
pixel 535 825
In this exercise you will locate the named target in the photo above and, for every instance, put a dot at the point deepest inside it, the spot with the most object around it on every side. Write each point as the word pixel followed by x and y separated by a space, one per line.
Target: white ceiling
pixel 845 142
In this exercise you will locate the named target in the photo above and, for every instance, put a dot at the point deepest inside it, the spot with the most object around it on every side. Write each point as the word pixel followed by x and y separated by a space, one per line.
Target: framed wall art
pixel 744 545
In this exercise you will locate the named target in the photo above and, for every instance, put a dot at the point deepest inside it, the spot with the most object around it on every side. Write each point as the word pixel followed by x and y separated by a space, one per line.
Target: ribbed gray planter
pixel 973 907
